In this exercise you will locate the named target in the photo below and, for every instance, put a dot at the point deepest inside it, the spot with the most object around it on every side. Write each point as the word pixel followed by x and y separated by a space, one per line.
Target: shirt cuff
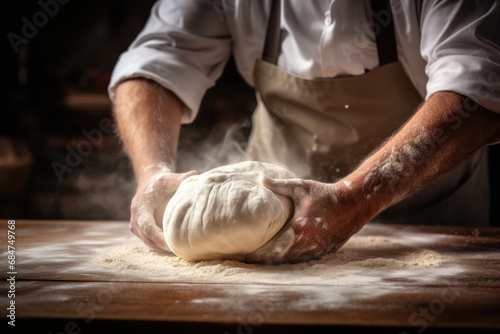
pixel 471 76
pixel 187 82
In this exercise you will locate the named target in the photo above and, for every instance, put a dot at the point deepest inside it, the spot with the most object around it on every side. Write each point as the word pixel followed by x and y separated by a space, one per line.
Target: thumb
pixel 188 174
pixel 292 188
pixel 182 176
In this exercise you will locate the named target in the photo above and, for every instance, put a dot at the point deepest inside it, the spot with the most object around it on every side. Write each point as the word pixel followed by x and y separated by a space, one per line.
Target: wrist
pixel 353 195
pixel 146 171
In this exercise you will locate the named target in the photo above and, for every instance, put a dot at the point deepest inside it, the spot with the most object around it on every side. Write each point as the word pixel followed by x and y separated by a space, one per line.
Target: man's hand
pixel 324 219
pixel 149 202
pixel 326 216
pixel 149 121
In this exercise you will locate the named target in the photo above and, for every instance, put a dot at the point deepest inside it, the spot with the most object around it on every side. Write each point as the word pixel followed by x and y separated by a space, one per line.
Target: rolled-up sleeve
pixel 461 44
pixel 184 47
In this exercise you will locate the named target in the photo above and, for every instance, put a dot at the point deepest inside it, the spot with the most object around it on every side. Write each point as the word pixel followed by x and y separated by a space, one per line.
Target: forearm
pixel 447 129
pixel 149 119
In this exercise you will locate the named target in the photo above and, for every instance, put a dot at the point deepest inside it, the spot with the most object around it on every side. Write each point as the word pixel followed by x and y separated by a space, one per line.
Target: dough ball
pixel 226 213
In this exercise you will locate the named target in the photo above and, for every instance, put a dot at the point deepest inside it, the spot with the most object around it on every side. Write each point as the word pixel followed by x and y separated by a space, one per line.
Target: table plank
pixel 64 250
pixel 259 304
pixel 55 281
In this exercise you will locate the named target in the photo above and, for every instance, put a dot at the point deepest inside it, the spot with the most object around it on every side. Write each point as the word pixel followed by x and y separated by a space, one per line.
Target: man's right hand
pixel 148 117
pixel 154 191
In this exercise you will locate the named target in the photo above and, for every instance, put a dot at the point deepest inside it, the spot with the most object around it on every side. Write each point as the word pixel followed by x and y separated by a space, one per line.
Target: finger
pixel 276 249
pixel 155 234
pixel 301 250
pixel 293 188
pixel 148 229
pixel 191 173
pixel 140 235
pixel 150 243
pixel 183 176
pixel 174 181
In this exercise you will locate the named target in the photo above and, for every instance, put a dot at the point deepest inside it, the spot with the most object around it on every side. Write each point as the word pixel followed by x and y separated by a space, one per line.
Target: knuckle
pixel 133 209
pixel 141 222
pixel 136 203
pixel 132 228
pixel 317 251
pixel 148 229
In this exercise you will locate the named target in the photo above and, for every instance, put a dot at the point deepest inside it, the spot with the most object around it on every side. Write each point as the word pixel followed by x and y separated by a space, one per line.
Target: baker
pixel 384 109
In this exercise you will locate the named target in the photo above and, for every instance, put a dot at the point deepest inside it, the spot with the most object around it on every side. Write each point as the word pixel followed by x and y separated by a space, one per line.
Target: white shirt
pixel 443 45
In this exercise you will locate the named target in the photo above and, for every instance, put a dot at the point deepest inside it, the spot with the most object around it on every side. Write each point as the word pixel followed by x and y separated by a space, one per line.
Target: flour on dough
pixel 225 213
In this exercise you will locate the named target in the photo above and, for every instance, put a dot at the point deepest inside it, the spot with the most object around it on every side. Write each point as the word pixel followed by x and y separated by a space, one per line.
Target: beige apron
pixel 323 128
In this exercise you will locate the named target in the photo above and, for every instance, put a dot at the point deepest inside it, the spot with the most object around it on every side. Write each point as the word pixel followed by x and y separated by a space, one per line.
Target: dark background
pixel 55 88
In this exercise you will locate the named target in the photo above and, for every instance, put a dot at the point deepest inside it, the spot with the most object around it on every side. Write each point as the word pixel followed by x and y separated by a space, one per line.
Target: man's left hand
pixel 324 219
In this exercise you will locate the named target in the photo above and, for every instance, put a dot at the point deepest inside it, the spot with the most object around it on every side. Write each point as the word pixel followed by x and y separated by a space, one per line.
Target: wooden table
pixel 55 292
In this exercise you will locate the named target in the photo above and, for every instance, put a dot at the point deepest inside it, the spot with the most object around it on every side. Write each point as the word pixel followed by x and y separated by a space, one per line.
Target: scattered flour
pixel 364 259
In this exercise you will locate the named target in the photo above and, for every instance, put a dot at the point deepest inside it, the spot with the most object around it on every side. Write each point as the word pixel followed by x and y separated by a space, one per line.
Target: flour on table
pixel 364 259
pixel 225 213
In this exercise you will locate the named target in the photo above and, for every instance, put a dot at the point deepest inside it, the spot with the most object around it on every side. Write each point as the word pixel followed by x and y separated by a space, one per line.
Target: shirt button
pixel 328 19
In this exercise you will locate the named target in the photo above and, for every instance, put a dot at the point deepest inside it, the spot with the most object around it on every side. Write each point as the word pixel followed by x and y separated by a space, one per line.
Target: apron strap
pixel 386 38
pixel 272 41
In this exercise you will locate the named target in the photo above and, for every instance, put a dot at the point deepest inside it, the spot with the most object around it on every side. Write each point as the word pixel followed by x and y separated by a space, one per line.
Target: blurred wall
pixel 55 103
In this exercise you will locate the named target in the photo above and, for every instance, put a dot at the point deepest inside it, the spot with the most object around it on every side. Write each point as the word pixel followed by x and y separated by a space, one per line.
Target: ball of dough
pixel 226 213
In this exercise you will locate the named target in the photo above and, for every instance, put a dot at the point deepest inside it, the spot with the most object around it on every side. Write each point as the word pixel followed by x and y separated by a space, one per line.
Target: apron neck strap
pixel 385 38
pixel 272 41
